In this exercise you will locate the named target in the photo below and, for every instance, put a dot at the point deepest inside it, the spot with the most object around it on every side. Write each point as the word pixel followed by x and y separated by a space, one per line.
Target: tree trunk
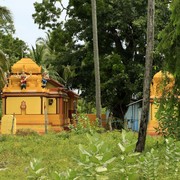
pixel 140 145
pixel 96 62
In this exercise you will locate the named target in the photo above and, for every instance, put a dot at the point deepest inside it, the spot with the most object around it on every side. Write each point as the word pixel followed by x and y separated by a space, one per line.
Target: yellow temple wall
pixel 154 111
pixel 33 105
pixel 153 122
pixel 29 119
pixel 37 122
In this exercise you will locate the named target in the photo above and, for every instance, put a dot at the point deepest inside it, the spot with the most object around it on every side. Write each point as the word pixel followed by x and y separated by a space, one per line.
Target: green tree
pixel 6 26
pixel 169 47
pixel 122 45
pixel 14 48
pixel 44 56
pixel 6 21
pixel 68 76
pixel 4 67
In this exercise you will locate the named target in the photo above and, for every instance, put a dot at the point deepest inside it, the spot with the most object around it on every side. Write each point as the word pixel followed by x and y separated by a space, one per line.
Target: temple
pixel 133 114
pixel 30 99
pixel 156 90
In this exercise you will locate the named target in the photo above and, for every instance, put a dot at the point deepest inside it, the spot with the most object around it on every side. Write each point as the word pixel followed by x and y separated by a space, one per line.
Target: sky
pixel 22 11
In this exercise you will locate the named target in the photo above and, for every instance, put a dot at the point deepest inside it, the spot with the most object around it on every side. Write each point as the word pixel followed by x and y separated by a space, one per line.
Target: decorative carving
pixel 23 105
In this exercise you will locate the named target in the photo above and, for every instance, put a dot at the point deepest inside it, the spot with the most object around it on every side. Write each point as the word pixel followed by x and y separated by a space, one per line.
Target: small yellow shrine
pixel 30 98
pixel 156 90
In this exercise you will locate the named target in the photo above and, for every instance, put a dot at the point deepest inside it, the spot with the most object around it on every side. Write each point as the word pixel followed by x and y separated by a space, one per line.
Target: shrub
pixel 84 125
pixel 168 116
pixel 26 132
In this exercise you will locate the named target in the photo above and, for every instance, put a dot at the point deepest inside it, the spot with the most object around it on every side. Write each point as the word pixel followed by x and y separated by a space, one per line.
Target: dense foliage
pixel 6 20
pixel 70 155
pixel 168 115
pixel 169 47
pixel 122 36
pixel 11 49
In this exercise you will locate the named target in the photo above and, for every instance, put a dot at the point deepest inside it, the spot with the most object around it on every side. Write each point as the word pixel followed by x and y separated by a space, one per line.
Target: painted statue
pixel 45 77
pixel 23 79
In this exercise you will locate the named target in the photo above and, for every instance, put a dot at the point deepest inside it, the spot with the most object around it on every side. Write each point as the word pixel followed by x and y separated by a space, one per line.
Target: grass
pixel 60 152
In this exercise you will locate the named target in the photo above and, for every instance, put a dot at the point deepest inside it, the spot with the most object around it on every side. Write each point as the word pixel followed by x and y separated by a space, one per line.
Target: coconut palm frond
pixel 5 14
pixel 51 71
pixel 37 53
pixel 4 62
pixel 2 78
pixel 6 20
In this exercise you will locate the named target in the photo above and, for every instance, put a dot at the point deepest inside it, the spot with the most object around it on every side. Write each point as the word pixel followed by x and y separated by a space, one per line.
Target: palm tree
pixel 37 53
pixel 6 25
pixel 68 75
pixel 4 69
pixel 43 56
pixel 96 61
pixel 6 20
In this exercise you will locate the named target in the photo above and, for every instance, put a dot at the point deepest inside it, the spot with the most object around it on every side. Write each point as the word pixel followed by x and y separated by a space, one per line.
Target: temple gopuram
pixel 30 99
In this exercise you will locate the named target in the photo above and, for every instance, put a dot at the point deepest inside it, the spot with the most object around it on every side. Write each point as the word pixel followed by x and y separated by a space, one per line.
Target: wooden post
pixel 12 128
pixel 45 119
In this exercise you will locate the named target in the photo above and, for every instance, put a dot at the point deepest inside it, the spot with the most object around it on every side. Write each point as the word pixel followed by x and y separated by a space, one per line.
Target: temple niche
pixel 30 94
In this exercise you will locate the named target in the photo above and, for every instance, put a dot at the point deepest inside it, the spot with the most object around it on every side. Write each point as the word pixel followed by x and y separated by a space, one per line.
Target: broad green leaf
pixel 122 157
pixel 134 154
pixel 121 147
pixel 83 151
pixel 102 177
pixel 101 169
pixel 39 170
pixel 99 157
pixel 32 165
pixel 110 160
pixel 123 136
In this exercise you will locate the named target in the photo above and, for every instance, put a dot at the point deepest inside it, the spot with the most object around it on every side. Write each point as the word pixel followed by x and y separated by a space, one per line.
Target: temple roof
pixel 27 65
pixel 160 76
pixel 158 83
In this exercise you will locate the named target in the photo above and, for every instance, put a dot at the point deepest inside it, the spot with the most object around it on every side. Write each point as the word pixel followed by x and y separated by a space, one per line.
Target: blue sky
pixel 22 11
